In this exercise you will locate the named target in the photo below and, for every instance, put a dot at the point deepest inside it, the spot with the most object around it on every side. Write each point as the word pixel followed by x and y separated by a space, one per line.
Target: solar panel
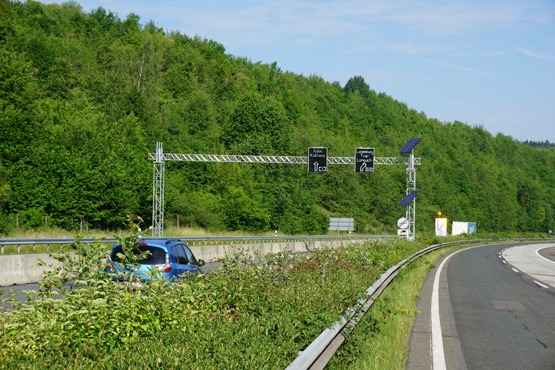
pixel 409 146
pixel 410 196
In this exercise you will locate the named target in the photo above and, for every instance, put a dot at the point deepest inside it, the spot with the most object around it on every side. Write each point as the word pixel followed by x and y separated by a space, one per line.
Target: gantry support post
pixel 158 193
pixel 411 186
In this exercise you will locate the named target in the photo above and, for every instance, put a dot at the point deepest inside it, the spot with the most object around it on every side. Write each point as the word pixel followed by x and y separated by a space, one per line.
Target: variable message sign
pixel 317 159
pixel 364 159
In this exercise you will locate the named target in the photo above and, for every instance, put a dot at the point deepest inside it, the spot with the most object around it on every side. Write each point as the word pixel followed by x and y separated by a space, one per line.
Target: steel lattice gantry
pixel 268 159
pixel 160 157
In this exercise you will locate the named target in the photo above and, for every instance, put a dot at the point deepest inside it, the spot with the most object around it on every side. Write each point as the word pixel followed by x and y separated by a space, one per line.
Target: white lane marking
pixel 542 257
pixel 515 270
pixel 540 284
pixel 438 354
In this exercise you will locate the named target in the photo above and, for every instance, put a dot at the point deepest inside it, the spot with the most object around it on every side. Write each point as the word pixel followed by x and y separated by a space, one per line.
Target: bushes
pixel 254 312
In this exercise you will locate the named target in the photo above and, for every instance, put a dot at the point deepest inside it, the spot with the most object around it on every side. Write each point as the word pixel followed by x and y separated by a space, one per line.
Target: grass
pixel 51 232
pixel 381 339
pixel 169 230
pixel 56 233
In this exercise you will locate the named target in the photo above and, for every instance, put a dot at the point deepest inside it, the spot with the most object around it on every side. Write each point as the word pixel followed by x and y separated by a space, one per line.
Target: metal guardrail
pixel 59 242
pixel 317 355
pixel 193 241
pixel 321 350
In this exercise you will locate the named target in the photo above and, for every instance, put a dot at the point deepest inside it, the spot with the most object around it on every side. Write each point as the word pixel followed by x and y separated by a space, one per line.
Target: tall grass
pixel 381 339
pixel 171 231
pixel 57 233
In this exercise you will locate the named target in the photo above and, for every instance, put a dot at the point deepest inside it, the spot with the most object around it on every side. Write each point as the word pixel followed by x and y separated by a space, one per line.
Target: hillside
pixel 85 97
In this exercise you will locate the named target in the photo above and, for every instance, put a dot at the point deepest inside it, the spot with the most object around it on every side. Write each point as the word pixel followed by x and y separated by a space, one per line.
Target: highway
pixel 487 307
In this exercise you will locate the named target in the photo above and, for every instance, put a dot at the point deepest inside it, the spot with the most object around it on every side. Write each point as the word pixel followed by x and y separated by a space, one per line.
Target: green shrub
pixel 254 312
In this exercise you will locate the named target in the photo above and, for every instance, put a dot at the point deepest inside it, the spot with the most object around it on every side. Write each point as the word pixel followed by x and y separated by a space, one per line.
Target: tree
pixel 357 84
pixel 258 125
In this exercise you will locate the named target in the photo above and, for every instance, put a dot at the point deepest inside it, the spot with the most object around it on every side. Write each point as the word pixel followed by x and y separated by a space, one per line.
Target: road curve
pixel 492 314
pixel 535 260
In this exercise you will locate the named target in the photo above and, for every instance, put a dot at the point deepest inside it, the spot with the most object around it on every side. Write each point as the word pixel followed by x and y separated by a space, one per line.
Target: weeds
pixel 257 312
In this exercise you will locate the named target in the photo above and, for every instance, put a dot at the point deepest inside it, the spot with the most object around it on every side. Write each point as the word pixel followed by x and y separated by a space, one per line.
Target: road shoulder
pixel 420 349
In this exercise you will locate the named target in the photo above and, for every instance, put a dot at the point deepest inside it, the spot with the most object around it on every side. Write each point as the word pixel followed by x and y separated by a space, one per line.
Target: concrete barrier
pixel 213 252
pixel 25 269
pixel 22 268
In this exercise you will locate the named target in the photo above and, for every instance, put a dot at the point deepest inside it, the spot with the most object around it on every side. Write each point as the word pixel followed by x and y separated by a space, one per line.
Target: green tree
pixel 258 125
pixel 357 84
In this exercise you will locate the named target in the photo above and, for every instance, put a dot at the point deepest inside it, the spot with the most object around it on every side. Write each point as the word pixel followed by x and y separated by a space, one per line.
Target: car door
pixel 181 261
pixel 193 263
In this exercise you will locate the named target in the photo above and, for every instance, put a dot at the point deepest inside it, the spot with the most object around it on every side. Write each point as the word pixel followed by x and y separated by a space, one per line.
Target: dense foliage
pixel 85 97
pixel 546 144
pixel 256 313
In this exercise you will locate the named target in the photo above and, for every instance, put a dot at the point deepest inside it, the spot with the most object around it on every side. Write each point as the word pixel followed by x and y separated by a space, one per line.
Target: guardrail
pixel 192 241
pixel 45 241
pixel 317 355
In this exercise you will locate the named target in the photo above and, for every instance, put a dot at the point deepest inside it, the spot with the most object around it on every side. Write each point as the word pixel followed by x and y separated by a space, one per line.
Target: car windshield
pixel 156 256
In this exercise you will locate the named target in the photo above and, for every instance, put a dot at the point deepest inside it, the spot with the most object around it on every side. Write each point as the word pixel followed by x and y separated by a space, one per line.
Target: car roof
pixel 163 243
pixel 160 242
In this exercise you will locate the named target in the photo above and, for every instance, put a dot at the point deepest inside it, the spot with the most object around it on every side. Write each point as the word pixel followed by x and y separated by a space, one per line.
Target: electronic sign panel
pixel 317 159
pixel 364 160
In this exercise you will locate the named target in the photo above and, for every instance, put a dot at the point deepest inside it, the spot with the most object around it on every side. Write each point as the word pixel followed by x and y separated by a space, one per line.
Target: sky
pixel 488 63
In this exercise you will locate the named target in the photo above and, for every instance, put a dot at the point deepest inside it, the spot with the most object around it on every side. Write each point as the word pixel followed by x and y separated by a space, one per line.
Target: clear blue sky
pixel 483 62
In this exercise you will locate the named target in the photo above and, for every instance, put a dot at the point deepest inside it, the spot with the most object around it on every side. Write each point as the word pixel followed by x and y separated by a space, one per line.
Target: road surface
pixel 488 307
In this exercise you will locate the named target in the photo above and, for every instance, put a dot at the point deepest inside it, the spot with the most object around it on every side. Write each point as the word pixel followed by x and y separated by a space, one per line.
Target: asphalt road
pixel 21 296
pixel 484 312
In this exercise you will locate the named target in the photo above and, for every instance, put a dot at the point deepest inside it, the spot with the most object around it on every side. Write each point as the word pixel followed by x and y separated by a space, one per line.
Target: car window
pixel 179 254
pixel 156 256
pixel 190 257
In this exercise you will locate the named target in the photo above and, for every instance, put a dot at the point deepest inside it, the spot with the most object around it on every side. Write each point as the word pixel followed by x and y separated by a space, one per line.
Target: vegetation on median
pixel 255 312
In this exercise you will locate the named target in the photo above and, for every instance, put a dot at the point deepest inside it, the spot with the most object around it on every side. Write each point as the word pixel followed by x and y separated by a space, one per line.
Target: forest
pixel 85 97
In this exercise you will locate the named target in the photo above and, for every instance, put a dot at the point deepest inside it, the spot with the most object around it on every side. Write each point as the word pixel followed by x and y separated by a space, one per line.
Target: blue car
pixel 165 258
